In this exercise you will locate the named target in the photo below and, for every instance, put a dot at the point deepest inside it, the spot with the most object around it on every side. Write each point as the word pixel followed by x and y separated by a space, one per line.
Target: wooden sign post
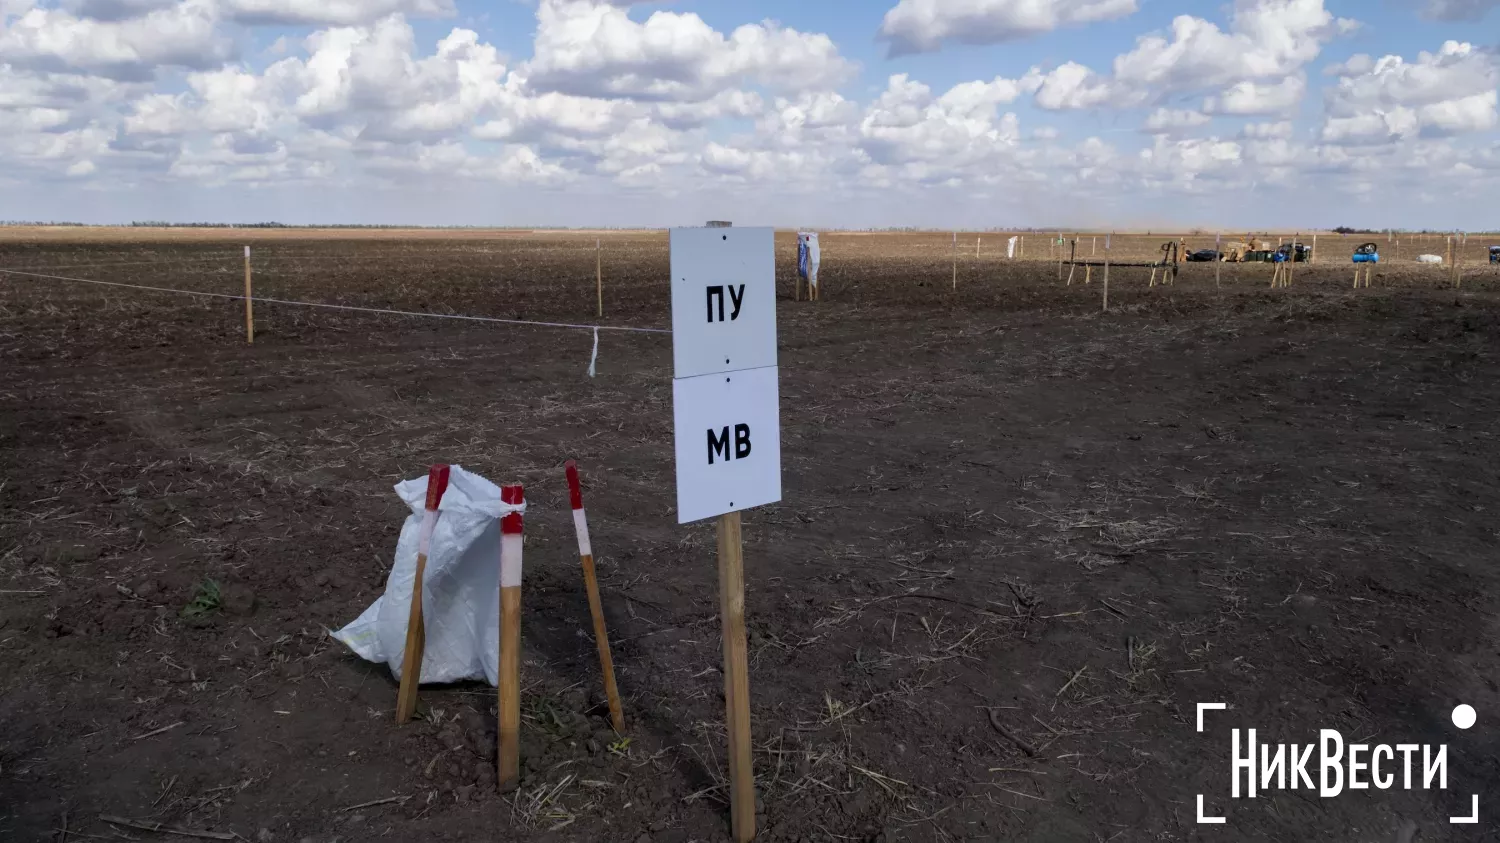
pixel 416 637
pixel 249 303
pixel 727 431
pixel 736 678
pixel 511 542
pixel 1107 238
pixel 596 608
pixel 955 261
pixel 599 274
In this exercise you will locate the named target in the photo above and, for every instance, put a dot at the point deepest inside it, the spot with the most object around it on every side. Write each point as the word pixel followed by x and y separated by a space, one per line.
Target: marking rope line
pixel 386 311
pixel 112 263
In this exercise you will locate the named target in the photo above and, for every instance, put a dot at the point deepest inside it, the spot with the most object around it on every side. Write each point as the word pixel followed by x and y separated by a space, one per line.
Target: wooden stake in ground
pixel 1218 259
pixel 596 610
pixel 511 527
pixel 599 274
pixel 249 303
pixel 416 637
pixel 736 678
pixel 1106 274
pixel 955 261
pixel 797 275
pixel 1094 245
pixel 1313 256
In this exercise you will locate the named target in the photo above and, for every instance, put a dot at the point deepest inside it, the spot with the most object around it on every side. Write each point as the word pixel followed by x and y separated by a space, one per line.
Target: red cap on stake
pixel 575 494
pixel 511 524
pixel 437 484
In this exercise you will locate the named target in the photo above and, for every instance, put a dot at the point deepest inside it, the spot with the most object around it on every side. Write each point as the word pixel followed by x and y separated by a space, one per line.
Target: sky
pixel 971 114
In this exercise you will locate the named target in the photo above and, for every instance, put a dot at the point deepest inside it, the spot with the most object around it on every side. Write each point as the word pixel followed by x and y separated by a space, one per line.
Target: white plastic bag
pixel 1429 258
pixel 809 256
pixel 460 591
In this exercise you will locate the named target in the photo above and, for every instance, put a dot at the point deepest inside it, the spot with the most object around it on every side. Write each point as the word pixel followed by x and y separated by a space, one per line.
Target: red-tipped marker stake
pixel 416 638
pixel 511 527
pixel 591 584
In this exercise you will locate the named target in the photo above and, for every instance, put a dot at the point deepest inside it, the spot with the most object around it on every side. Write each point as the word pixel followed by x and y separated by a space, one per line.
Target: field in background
pixel 1020 539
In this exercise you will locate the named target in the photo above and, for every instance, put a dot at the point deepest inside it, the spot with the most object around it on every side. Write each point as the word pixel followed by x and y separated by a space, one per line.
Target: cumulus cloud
pixel 936 138
pixel 182 35
pixel 1452 91
pixel 1256 65
pixel 1074 86
pixel 1254 98
pixel 917 26
pixel 1186 163
pixel 1266 40
pixel 1458 10
pixel 645 102
pixel 1267 131
pixel 324 12
pixel 1355 65
pixel 592 48
pixel 1166 121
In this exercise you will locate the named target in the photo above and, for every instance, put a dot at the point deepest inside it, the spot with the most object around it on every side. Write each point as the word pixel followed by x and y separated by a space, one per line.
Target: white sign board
pixel 728 430
pixel 726 401
pixel 723 300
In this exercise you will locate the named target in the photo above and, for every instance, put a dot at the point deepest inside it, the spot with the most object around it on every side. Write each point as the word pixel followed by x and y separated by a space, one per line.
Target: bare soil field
pixel 1021 539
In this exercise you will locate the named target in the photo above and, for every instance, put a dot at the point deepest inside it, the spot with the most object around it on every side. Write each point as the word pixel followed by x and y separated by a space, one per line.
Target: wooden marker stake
pixel 1106 275
pixel 596 609
pixel 1218 260
pixel 599 274
pixel 955 261
pixel 249 303
pixel 416 636
pixel 797 275
pixel 511 527
pixel 736 678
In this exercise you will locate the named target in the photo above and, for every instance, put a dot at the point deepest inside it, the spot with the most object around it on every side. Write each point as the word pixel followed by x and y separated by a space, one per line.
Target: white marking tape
pixel 581 526
pixel 510 560
pixel 345 306
pixel 594 357
pixel 424 538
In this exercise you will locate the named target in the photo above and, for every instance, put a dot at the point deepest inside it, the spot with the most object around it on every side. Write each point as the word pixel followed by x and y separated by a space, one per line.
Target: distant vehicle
pixel 1303 253
pixel 1367 253
pixel 1495 254
pixel 1204 256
